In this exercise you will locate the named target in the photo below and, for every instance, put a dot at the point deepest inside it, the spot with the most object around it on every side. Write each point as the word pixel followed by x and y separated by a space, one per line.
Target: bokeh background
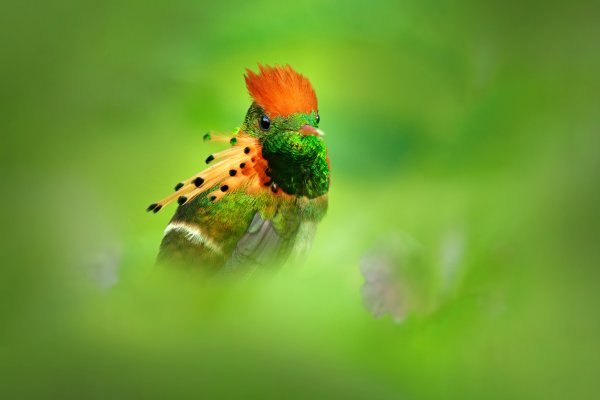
pixel 464 145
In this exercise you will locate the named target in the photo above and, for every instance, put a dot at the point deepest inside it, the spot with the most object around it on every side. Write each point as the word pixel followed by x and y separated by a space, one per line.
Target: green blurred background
pixel 464 144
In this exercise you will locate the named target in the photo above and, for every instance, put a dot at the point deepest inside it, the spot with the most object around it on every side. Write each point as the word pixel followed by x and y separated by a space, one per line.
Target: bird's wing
pixel 267 241
pixel 271 241
pixel 303 241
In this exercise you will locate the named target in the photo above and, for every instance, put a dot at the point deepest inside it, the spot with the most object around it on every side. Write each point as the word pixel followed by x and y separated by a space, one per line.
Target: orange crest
pixel 281 91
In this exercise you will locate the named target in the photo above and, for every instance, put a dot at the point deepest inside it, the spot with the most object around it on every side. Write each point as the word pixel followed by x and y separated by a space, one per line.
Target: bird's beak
pixel 311 130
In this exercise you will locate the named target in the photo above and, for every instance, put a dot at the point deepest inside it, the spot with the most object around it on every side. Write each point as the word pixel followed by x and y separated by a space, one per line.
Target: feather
pixel 259 245
pixel 239 167
pixel 281 91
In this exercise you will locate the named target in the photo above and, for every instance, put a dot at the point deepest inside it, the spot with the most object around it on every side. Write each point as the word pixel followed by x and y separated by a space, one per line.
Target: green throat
pixel 297 163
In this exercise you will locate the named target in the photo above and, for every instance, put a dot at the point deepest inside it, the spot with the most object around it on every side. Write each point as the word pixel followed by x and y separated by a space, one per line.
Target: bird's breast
pixel 297 163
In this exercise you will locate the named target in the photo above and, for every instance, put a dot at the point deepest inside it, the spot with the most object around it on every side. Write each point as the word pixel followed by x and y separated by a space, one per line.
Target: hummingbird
pixel 259 201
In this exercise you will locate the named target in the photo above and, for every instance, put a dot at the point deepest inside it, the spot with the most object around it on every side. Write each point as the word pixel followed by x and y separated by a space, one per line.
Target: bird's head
pixel 278 150
pixel 284 116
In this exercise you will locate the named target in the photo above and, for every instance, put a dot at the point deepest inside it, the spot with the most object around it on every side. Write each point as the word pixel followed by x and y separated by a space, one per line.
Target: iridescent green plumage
pixel 264 196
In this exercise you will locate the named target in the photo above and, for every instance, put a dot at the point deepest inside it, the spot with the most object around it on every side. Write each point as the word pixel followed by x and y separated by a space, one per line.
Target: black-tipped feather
pixel 198 181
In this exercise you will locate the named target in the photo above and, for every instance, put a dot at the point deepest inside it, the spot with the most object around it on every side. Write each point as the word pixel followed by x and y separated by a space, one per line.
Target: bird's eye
pixel 318 119
pixel 265 122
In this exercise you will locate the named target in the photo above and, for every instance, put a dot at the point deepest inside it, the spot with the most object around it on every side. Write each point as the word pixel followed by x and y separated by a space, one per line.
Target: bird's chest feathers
pixel 297 164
